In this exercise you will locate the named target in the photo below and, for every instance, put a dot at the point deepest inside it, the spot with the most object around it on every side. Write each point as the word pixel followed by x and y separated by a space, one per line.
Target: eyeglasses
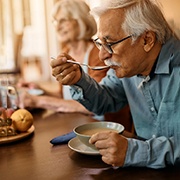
pixel 57 22
pixel 107 46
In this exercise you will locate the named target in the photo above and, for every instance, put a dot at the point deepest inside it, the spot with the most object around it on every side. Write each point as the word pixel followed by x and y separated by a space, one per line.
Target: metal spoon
pixel 90 67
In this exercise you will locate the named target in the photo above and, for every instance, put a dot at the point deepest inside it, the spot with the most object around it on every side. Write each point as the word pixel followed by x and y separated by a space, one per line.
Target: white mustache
pixel 110 62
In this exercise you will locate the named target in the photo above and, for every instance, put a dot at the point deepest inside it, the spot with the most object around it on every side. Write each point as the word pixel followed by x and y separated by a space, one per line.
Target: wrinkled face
pixel 67 29
pixel 128 58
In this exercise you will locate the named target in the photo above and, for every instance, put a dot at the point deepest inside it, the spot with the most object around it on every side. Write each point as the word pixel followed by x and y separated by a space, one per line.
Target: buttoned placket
pixel 144 86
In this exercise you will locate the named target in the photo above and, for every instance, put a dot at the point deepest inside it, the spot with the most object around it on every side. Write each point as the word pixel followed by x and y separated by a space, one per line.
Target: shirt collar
pixel 165 57
pixel 162 62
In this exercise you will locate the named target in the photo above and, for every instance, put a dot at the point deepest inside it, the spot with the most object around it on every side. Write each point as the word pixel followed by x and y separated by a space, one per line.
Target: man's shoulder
pixel 172 50
pixel 176 53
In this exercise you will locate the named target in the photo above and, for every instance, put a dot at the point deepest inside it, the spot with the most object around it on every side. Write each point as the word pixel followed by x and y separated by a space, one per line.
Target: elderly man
pixel 135 40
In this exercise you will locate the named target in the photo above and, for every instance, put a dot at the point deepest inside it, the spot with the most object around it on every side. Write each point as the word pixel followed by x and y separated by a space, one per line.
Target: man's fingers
pixel 99 136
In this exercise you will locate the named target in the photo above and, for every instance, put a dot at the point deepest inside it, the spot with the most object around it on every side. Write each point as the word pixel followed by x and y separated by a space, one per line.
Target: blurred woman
pixel 75 28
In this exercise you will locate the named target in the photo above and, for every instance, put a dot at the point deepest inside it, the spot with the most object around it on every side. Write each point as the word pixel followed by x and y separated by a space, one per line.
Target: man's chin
pixel 119 72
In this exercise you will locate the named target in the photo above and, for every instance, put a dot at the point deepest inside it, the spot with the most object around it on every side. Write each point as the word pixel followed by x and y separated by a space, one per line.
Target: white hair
pixel 140 16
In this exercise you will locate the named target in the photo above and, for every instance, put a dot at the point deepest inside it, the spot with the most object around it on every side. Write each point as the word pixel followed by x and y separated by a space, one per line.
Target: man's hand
pixel 111 146
pixel 64 72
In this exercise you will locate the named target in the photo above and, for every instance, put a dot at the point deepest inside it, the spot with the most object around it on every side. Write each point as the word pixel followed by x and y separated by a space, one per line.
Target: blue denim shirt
pixel 154 103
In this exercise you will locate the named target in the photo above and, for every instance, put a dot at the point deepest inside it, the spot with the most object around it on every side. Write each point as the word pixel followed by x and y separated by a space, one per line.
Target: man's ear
pixel 149 40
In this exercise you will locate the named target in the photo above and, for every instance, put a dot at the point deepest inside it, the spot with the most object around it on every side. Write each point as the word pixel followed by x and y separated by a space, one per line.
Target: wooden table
pixel 34 158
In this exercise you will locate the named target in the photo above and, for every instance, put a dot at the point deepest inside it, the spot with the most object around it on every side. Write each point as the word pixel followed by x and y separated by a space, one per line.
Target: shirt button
pixel 153 136
pixel 152 109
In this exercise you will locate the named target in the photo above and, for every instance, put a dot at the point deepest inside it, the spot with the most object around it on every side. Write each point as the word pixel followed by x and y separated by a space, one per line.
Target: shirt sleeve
pixel 77 90
pixel 153 153
pixel 98 97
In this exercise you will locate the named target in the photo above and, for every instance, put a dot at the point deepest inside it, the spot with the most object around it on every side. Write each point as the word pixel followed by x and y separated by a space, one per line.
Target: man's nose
pixel 103 54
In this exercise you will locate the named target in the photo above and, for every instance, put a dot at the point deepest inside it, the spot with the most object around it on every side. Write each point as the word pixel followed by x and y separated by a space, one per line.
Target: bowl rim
pixel 36 91
pixel 92 123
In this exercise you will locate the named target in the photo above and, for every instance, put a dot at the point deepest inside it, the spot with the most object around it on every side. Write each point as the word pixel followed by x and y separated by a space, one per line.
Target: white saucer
pixel 76 145
pixel 36 92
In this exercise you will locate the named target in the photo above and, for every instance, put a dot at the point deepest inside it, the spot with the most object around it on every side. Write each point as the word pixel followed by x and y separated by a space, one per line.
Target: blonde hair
pixel 140 16
pixel 78 10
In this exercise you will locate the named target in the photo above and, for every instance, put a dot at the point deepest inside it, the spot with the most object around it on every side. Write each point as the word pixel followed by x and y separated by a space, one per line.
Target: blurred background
pixel 28 38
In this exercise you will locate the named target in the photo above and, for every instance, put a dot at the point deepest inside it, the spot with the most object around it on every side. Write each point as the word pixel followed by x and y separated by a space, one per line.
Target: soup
pixel 90 132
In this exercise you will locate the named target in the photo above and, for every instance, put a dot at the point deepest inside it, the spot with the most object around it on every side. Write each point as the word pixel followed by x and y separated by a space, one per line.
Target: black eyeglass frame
pixel 107 46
